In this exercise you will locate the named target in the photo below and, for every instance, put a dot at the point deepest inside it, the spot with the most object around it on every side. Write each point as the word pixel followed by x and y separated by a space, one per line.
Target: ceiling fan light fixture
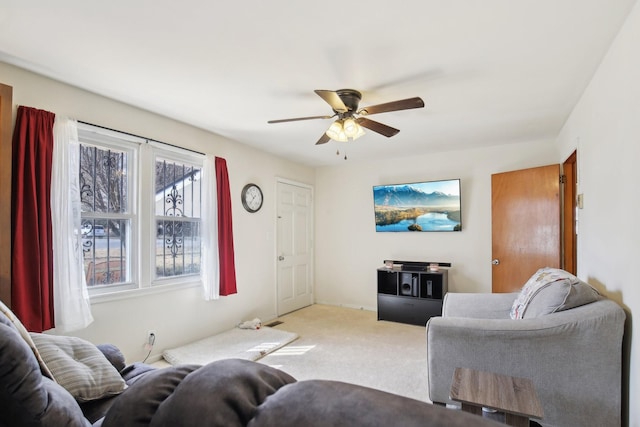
pixel 350 127
pixel 334 130
pixel 344 130
pixel 359 132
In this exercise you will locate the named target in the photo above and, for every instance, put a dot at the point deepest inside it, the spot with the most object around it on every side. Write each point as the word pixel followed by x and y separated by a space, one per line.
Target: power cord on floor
pixel 149 345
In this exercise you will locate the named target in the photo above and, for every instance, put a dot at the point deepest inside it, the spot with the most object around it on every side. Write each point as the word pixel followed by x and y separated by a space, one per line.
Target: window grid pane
pixel 104 243
pixel 103 180
pixel 178 250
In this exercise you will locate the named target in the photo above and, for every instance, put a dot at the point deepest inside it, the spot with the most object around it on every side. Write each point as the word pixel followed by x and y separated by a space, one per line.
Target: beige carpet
pixel 353 346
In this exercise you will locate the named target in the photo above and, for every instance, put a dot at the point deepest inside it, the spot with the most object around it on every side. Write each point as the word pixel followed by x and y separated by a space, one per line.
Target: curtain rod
pixel 139 136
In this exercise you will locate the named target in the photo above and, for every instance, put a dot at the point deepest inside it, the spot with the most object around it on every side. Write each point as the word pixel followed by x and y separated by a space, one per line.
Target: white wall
pixel 605 129
pixel 349 250
pixel 177 316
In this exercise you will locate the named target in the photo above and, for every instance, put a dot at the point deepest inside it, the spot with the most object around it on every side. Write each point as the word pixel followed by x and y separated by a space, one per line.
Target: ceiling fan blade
pixel 331 97
pixel 378 127
pixel 323 139
pixel 404 104
pixel 300 118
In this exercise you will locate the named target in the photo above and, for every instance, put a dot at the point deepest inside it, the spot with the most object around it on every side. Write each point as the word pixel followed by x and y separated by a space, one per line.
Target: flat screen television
pixel 418 206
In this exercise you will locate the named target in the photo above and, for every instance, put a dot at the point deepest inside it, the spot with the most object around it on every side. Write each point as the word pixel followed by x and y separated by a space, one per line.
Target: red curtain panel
pixel 225 230
pixel 32 261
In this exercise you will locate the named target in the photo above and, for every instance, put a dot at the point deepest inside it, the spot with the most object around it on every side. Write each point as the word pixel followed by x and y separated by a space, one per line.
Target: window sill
pixel 141 292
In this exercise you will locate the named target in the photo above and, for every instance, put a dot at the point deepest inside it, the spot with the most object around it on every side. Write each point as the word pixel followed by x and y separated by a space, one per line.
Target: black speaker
pixel 408 284
pixel 431 285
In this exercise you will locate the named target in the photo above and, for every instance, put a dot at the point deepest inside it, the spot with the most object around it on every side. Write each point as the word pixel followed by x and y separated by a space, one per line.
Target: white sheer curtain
pixel 209 216
pixel 71 298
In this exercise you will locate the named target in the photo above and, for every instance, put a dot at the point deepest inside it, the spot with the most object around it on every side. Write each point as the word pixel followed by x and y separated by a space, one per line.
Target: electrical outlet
pixel 151 337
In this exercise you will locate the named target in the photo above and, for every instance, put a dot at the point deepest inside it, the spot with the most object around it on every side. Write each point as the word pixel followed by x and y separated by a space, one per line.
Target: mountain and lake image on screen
pixel 419 206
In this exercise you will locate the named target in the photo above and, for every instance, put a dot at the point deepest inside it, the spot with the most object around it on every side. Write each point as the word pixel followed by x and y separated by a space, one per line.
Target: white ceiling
pixel 490 72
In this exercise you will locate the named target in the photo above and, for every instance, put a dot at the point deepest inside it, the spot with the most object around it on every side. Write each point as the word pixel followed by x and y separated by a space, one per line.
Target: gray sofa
pixel 571 352
pixel 227 393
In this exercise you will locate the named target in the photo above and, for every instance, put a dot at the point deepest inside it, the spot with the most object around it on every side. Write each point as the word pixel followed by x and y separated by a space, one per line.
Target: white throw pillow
pixel 550 290
pixel 79 367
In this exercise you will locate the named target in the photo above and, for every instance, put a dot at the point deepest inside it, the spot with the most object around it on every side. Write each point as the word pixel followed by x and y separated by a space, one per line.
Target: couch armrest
pixel 478 305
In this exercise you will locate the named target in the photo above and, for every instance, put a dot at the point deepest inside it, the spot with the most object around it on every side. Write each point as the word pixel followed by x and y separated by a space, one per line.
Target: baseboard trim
pixel 354 306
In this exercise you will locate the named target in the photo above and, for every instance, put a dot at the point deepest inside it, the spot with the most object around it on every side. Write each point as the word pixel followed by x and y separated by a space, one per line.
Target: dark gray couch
pixel 227 393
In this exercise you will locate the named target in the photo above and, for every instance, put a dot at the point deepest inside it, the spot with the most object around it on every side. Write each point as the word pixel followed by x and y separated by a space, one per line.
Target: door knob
pixel 495 261
pixel 280 258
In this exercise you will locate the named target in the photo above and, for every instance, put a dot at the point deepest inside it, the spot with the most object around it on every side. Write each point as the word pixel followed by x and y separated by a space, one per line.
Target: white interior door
pixel 294 247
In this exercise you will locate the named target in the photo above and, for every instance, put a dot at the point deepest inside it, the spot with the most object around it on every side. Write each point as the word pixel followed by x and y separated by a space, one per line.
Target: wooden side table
pixel 516 397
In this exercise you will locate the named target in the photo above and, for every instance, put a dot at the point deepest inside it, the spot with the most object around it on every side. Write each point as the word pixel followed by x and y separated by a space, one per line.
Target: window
pixel 138 232
pixel 107 215
pixel 177 218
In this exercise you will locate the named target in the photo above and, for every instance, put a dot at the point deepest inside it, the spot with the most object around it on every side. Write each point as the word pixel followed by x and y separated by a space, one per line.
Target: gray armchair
pixel 573 357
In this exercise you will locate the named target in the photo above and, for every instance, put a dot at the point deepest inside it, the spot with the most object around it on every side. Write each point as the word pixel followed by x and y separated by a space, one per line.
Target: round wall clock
pixel 252 198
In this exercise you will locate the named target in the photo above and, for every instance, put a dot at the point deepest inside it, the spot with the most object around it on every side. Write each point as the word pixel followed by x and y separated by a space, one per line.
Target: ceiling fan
pixel 351 120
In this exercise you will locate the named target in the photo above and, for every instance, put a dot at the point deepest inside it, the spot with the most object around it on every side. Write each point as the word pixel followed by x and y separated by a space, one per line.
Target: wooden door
pixel 294 245
pixel 6 113
pixel 525 224
pixel 569 215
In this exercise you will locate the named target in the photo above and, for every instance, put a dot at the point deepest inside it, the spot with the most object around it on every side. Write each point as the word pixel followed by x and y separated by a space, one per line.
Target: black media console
pixel 411 293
